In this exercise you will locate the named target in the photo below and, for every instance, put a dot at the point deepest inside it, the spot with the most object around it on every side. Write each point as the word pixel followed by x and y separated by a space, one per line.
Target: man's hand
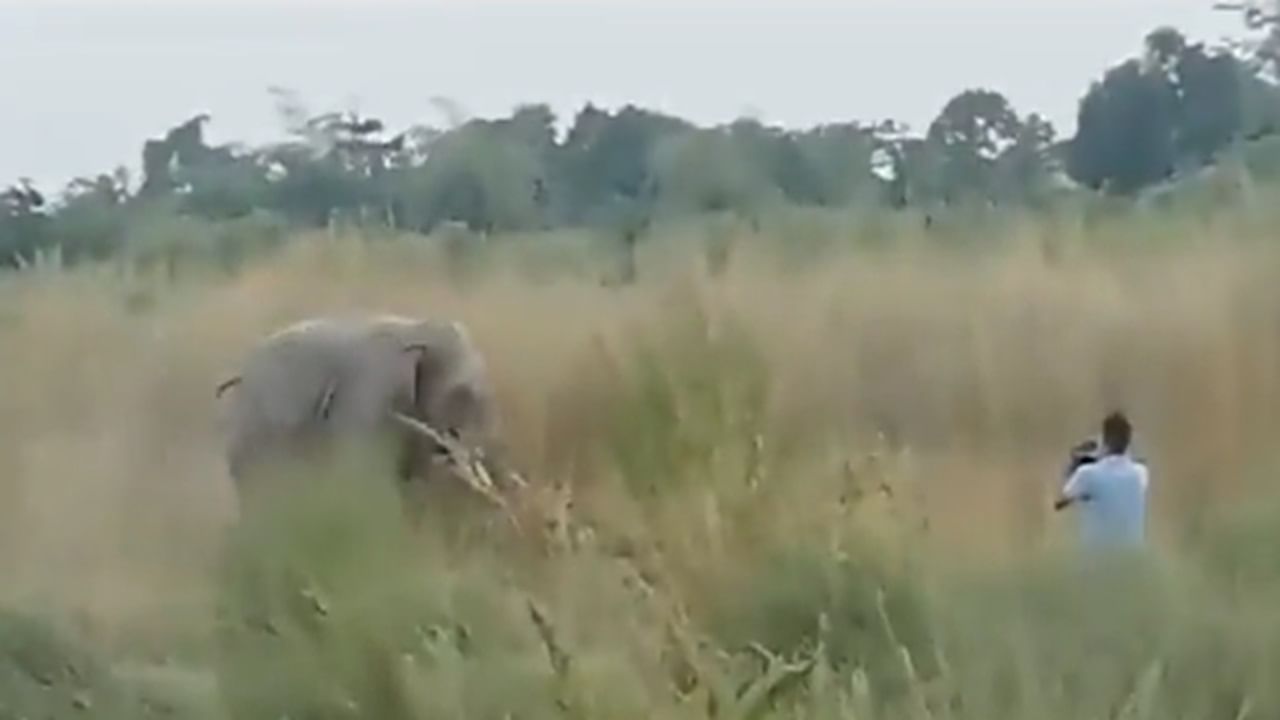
pixel 1064 502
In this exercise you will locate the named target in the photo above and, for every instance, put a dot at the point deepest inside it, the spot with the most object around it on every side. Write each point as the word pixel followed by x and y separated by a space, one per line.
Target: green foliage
pixel 1088 639
pixel 855 608
pixel 1160 116
pixel 320 602
pixel 1172 111
pixel 973 130
pixel 692 403
pixel 705 171
pixel 1125 139
pixel 1239 550
pixel 839 161
pixel 332 607
pixel 172 243
pixel 477 177
pixel 44 673
pixel 1262 160
pixel 604 161
pixel 24 228
pixel 94 221
pixel 363 627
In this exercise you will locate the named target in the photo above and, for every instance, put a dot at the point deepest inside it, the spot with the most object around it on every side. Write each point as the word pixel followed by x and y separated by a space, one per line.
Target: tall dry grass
pixel 768 447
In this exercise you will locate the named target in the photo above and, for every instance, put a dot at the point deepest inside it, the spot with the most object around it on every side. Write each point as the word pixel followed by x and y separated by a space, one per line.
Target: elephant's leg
pixel 408 460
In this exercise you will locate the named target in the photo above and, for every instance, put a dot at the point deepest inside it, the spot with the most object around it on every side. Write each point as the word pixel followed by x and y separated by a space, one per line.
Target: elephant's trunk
pixel 474 471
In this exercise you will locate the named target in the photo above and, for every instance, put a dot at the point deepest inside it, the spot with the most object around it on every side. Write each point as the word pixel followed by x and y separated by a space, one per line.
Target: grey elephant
pixel 423 382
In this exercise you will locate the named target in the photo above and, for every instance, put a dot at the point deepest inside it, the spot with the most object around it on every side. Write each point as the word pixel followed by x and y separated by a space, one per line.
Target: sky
pixel 83 83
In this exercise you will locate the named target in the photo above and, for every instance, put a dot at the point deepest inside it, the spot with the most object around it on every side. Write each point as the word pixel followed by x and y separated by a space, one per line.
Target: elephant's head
pixel 450 409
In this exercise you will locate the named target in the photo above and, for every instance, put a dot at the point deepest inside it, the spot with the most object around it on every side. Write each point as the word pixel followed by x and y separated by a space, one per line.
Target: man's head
pixel 1116 433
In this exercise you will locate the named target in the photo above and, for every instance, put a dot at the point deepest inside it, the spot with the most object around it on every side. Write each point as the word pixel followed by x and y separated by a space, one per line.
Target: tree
pixel 604 161
pixel 1210 109
pixel 840 156
pixel 480 174
pixel 1259 61
pixel 335 164
pixel 225 186
pixel 916 172
pixel 973 130
pixel 1172 110
pixel 705 170
pixel 1259 104
pixel 93 222
pixel 183 146
pixel 1164 49
pixel 1262 18
pixel 978 149
pixel 307 189
pixel 1025 169
pixel 776 155
pixel 1173 107
pixel 1125 131
pixel 23 224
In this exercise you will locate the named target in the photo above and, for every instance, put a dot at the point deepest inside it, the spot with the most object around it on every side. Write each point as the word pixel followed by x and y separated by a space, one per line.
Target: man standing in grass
pixel 1111 490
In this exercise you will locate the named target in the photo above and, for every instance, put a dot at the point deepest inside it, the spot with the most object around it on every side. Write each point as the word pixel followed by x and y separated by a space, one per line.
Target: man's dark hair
pixel 1116 433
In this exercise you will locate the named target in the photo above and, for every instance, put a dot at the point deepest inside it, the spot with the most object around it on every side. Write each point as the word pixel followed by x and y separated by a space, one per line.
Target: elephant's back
pixel 285 376
pixel 282 379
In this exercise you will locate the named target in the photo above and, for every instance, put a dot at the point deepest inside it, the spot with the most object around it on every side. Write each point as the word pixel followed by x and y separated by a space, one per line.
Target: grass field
pixel 814 483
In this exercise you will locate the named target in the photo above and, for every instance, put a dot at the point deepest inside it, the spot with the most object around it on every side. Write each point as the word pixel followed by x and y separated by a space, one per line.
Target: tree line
pixel 1170 110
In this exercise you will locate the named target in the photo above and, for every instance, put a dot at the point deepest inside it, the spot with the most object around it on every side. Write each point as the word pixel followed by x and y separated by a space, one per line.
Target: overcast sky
pixel 82 85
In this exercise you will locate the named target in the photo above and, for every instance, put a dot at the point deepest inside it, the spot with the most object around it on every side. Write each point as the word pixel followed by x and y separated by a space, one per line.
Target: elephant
pixel 422 381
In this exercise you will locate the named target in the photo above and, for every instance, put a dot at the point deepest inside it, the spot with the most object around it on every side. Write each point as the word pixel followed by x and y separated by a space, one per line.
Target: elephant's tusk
pixel 473 473
pixel 429 432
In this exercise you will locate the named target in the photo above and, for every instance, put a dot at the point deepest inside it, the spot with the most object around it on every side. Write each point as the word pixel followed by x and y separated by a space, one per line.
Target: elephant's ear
pixel 434 350
pixel 424 368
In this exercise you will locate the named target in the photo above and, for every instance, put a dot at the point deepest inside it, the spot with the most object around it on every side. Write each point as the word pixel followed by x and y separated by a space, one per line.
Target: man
pixel 1111 490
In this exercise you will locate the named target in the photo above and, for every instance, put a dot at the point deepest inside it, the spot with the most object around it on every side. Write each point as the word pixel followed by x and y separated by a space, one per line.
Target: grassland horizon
pixel 789 471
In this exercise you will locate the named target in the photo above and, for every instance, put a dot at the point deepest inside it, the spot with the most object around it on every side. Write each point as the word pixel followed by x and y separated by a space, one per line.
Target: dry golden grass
pixel 970 372
pixel 985 367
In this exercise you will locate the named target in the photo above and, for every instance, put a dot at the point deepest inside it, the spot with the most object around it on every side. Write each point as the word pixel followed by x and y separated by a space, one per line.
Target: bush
pixel 856 613
pixel 44 673
pixel 691 401
pixel 332 608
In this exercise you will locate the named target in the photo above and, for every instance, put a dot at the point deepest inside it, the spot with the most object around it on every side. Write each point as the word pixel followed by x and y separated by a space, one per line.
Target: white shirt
pixel 1112 498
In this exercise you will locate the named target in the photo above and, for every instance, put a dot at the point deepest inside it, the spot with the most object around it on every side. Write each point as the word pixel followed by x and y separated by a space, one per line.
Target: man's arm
pixel 1076 489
